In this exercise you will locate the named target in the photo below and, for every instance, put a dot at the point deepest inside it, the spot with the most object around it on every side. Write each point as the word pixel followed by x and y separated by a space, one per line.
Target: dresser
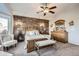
pixel 61 36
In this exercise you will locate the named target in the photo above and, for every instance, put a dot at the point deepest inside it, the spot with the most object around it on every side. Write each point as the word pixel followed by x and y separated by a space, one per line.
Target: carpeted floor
pixel 61 50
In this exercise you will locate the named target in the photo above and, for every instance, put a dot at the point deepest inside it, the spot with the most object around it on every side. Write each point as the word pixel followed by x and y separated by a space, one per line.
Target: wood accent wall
pixel 28 23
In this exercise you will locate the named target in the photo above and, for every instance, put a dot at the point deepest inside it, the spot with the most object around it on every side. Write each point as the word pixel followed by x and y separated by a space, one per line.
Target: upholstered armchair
pixel 8 40
pixel 1 48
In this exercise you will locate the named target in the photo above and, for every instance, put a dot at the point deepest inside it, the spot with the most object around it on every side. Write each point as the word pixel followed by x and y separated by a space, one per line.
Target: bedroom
pixel 24 17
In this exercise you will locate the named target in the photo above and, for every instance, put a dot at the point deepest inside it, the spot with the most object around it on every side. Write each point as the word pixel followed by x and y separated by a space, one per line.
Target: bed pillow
pixel 36 32
pixel 30 33
pixel 33 32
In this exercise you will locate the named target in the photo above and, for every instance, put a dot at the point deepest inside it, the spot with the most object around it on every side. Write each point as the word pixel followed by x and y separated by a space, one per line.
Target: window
pixel 3 24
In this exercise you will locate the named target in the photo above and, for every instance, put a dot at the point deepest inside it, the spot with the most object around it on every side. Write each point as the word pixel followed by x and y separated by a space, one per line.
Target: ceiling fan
pixel 45 9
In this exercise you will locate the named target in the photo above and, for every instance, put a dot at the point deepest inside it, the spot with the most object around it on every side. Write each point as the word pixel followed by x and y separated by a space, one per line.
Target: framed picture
pixel 51 25
pixel 71 23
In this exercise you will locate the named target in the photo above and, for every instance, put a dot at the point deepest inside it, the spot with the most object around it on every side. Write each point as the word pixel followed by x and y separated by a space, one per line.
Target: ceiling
pixel 30 9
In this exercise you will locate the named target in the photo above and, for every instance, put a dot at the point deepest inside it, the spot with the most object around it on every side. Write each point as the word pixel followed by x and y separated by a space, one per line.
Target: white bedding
pixel 37 37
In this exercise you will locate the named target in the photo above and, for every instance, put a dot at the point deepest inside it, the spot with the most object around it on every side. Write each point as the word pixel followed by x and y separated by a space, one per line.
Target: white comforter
pixel 37 37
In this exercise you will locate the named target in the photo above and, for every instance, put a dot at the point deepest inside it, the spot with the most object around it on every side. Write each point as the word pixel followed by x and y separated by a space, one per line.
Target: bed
pixel 31 37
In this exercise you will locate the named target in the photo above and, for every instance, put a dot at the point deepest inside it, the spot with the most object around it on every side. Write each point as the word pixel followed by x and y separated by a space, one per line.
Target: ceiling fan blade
pixel 52 12
pixel 52 7
pixel 42 7
pixel 39 11
pixel 44 14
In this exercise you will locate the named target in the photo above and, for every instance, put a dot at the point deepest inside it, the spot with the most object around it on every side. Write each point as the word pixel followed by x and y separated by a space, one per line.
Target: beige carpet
pixel 61 50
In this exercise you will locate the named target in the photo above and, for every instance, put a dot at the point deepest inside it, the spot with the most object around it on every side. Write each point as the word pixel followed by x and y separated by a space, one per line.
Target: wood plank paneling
pixel 29 23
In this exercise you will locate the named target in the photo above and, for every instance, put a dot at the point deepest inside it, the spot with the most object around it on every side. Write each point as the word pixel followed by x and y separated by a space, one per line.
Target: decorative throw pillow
pixel 30 33
pixel 36 32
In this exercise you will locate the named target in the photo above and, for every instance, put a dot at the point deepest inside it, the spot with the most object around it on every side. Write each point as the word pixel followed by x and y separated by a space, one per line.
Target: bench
pixel 39 44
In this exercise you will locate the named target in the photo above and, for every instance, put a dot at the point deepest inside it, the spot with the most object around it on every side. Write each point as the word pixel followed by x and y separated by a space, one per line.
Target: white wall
pixel 6 13
pixel 70 13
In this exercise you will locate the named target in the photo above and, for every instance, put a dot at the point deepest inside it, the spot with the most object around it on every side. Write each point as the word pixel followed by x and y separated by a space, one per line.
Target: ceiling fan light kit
pixel 46 9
